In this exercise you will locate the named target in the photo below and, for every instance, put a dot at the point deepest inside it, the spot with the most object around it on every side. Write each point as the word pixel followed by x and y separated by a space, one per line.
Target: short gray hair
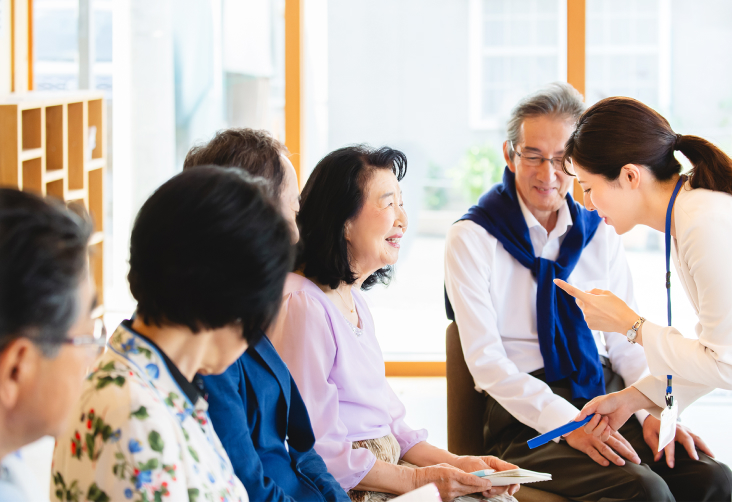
pixel 559 99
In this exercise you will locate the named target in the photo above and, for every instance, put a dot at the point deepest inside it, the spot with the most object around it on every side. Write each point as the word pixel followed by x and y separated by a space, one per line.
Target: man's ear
pixel 507 157
pixel 18 365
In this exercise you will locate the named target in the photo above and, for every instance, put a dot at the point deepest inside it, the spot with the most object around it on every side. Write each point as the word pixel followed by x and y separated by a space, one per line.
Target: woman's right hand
pixel 451 481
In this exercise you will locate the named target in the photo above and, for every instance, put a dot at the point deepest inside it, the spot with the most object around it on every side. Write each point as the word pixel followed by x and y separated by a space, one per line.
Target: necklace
pixel 344 302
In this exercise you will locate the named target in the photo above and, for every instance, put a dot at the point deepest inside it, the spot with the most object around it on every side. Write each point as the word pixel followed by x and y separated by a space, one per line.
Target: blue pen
pixel 559 431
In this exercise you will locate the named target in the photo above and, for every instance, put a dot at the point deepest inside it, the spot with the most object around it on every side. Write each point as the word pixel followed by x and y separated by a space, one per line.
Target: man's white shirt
pixel 494 300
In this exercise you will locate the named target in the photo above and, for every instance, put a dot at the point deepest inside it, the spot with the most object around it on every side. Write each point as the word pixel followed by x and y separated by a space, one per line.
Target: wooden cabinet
pixel 54 144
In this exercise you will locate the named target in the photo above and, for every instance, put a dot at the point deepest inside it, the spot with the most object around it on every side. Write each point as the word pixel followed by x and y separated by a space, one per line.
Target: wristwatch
pixel 632 333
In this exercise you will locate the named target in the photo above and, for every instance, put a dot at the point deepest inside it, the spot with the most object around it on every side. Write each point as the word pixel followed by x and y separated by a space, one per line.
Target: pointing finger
pixel 571 290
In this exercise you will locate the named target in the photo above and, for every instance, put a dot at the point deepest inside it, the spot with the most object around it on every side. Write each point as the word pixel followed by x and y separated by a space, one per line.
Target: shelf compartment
pixel 96 198
pixel 95 120
pixel 76 145
pixel 33 176
pixel 55 189
pixel 55 138
pixel 31 127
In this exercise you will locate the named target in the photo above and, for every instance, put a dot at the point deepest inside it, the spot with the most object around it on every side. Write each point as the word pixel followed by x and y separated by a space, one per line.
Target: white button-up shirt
pixel 494 299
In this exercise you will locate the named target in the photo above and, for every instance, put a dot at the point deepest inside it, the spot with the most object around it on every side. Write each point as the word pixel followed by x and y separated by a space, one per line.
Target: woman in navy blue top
pixel 264 426
pixel 254 405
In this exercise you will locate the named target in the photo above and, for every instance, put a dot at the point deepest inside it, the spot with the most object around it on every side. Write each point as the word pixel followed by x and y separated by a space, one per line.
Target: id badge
pixel 668 425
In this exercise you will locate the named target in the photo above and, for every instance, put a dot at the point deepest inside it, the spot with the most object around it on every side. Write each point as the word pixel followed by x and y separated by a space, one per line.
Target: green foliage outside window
pixel 480 168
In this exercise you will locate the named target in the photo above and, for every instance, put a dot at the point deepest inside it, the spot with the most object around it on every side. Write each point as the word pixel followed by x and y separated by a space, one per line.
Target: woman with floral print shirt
pixel 208 258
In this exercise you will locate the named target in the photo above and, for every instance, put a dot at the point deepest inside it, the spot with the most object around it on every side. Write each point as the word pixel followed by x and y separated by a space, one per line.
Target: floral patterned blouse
pixel 136 436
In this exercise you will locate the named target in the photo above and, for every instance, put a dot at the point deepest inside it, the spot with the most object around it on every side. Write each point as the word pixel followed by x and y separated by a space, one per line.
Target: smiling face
pixel 542 188
pixel 617 202
pixel 374 234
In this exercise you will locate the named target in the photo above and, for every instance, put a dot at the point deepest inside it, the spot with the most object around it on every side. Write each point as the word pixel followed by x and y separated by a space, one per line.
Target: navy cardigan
pixel 264 426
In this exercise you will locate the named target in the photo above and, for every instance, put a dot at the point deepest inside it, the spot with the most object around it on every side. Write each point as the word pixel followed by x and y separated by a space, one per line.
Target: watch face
pixel 631 334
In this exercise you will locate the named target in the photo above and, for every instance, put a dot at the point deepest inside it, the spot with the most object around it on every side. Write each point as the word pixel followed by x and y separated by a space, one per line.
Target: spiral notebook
pixel 513 476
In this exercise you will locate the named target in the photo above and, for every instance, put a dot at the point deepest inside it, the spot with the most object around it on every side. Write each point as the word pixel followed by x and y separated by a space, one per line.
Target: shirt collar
pixel 564 218
pixel 188 388
pixel 150 364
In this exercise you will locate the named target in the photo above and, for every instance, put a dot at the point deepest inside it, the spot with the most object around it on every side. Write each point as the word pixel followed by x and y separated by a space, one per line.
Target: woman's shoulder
pixel 303 295
pixel 117 386
pixel 297 285
pixel 700 207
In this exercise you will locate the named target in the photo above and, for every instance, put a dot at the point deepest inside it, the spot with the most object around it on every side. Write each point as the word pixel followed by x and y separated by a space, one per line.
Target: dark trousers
pixel 576 476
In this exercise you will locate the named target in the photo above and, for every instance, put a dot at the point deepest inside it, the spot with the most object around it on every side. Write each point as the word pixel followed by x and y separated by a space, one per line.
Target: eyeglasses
pixel 98 338
pixel 537 160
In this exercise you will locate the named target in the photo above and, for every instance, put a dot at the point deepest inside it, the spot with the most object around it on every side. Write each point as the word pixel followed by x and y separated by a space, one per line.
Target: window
pixel 56 42
pixel 515 47
pixel 628 51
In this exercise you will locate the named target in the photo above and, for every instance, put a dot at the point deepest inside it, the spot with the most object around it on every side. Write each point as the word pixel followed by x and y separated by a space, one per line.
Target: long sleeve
pixel 311 464
pixel 405 435
pixel 227 402
pixel 628 359
pixel 468 258
pixel 305 341
pixel 697 365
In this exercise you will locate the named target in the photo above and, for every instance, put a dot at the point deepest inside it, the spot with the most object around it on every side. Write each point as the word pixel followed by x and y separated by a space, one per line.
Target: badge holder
pixel 669 415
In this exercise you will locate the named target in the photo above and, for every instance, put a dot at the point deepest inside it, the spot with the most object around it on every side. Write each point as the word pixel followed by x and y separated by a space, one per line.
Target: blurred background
pixel 434 78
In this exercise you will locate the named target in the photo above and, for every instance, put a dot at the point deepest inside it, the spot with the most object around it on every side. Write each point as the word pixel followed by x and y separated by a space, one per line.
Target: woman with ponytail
pixel 623 154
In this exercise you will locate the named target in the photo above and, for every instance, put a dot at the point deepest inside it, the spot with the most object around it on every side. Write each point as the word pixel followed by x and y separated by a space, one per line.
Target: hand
pixel 603 452
pixel 451 481
pixel 612 411
pixel 603 311
pixel 684 436
pixel 471 464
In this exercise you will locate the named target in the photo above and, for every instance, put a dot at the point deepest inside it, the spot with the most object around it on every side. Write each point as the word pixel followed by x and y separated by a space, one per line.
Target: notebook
pixel 513 476
pixel 428 493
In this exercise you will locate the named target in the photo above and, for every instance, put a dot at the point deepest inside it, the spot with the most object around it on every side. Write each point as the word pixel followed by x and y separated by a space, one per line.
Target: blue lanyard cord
pixel 668 244
pixel 669 397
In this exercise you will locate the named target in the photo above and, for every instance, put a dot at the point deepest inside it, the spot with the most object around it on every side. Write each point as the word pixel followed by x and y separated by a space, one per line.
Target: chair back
pixel 465 410
pixel 465 405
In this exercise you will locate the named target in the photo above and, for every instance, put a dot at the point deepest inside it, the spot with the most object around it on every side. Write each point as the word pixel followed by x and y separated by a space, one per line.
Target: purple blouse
pixel 341 376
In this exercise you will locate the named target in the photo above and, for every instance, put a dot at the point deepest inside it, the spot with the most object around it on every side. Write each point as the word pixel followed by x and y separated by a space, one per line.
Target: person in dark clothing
pixel 255 406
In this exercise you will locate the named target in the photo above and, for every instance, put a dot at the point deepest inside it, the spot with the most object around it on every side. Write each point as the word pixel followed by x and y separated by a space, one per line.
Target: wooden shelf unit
pixel 54 144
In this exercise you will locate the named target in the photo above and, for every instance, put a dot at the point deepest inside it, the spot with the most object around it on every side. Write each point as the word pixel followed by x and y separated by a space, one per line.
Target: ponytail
pixel 712 168
pixel 618 131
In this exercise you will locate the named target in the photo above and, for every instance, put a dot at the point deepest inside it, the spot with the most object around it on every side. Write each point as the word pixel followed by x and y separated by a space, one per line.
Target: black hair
pixel 618 131
pixel 43 253
pixel 253 150
pixel 333 195
pixel 210 249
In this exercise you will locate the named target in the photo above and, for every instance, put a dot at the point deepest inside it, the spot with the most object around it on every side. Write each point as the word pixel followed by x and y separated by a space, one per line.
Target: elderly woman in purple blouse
pixel 351 222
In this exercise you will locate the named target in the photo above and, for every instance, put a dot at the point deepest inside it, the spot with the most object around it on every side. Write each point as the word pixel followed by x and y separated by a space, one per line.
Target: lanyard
pixel 669 397
pixel 668 245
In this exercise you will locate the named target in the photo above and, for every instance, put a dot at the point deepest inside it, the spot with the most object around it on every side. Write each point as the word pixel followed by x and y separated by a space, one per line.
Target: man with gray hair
pixel 526 343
